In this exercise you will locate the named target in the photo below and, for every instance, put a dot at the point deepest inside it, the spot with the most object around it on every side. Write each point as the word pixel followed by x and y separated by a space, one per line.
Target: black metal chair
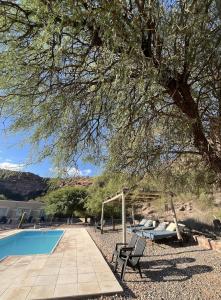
pixel 132 259
pixel 217 224
pixel 97 225
pixel 121 249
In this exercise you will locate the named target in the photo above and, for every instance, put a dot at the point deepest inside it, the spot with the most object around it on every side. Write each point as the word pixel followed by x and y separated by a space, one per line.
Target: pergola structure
pixel 130 197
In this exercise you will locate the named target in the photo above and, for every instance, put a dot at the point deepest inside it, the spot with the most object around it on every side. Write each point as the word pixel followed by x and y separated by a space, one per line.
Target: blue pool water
pixel 30 242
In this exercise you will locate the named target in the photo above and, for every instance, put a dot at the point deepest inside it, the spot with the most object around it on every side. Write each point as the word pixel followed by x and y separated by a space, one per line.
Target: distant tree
pixel 53 184
pixel 105 186
pixel 66 201
pixel 139 80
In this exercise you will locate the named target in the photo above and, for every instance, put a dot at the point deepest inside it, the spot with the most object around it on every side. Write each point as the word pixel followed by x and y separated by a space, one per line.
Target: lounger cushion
pixel 143 221
pixel 138 228
pixel 149 223
pixel 161 226
pixel 171 227
pixel 157 234
pixel 131 229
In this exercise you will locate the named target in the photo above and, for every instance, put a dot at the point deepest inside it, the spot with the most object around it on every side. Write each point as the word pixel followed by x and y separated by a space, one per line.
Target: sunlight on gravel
pixel 169 272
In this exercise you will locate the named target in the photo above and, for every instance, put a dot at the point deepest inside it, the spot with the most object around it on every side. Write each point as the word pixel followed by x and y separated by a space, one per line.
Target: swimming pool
pixel 30 242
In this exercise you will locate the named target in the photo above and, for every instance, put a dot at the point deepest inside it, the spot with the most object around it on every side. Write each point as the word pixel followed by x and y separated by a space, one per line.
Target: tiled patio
pixel 76 268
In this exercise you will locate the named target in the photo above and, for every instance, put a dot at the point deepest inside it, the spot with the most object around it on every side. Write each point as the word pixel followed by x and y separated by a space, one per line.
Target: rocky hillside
pixel 56 183
pixel 21 185
pixel 197 213
pixel 24 185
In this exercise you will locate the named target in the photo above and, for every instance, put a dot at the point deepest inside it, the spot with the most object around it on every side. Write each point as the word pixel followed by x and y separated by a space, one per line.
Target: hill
pixel 21 185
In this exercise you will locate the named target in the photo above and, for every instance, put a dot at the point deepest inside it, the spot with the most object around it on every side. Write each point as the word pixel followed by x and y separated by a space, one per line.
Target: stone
pixel 204 242
pixel 215 245
pixel 181 208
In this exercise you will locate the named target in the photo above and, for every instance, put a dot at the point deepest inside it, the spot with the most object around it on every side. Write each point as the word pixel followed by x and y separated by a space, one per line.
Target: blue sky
pixel 14 157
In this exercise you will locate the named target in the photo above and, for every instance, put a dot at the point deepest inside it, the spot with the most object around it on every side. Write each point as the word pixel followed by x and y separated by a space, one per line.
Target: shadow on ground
pixel 171 270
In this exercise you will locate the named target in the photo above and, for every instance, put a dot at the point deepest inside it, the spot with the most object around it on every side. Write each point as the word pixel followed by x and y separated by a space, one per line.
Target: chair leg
pixel 123 270
pixel 112 259
pixel 115 265
pixel 139 269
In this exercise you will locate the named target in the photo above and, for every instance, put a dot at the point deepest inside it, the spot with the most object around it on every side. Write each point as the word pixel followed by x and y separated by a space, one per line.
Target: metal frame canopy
pixel 117 197
pixel 137 197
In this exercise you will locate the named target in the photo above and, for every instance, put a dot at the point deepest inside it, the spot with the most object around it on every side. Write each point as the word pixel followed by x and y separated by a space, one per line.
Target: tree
pixel 66 201
pixel 218 4
pixel 103 187
pixel 138 79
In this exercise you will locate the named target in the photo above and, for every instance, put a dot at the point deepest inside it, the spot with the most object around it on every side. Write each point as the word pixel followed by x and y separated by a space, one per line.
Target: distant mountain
pixel 20 186
pixel 74 181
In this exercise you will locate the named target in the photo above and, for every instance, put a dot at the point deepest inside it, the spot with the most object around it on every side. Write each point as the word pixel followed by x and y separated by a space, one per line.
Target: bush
pixel 103 187
pixel 67 201
pixel 205 201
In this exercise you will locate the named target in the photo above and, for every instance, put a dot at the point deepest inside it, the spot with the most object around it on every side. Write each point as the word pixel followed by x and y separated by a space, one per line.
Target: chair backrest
pixel 139 250
pixel 133 240
pixel 99 223
pixel 217 224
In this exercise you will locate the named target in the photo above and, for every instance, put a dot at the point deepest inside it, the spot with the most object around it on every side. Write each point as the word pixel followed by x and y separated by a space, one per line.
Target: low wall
pixel 207 243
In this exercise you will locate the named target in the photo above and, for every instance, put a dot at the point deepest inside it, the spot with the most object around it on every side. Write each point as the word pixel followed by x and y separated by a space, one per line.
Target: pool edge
pixel 22 230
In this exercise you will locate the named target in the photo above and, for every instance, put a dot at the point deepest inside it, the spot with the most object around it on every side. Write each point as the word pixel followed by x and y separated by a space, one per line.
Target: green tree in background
pixel 137 80
pixel 105 186
pixel 67 201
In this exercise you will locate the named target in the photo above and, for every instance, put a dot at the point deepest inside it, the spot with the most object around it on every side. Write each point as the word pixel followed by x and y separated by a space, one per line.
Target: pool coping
pixel 109 285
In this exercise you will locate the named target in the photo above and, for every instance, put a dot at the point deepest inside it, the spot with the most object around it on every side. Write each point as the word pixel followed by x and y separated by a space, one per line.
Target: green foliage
pixel 139 80
pixel 205 201
pixel 159 204
pixel 186 197
pixel 66 201
pixel 53 184
pixel 105 186
pixel 186 175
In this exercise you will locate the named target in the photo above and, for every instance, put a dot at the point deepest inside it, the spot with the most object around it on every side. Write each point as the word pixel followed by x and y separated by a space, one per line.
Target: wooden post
pixel 133 215
pixel 175 217
pixel 22 219
pixel 123 218
pixel 113 223
pixel 102 218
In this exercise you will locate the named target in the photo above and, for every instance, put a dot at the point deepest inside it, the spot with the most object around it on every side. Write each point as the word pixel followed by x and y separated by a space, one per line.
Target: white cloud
pixel 70 172
pixel 86 172
pixel 65 172
pixel 76 172
pixel 73 172
pixel 11 166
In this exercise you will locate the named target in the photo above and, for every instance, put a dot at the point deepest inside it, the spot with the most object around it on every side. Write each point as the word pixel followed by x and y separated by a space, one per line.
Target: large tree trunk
pixel 181 94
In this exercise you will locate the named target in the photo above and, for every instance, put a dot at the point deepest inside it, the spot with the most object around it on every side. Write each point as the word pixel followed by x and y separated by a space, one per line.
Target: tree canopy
pixel 66 201
pixel 103 187
pixel 137 80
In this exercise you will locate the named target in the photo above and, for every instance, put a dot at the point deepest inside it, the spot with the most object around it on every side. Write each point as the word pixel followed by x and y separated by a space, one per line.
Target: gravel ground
pixel 169 271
